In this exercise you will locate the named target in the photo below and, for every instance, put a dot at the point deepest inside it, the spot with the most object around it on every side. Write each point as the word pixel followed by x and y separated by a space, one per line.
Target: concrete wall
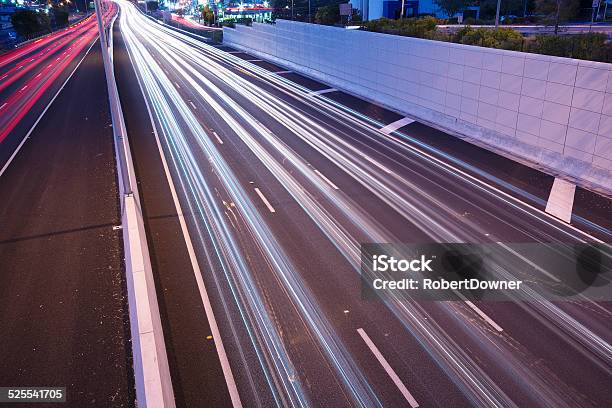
pixel 555 113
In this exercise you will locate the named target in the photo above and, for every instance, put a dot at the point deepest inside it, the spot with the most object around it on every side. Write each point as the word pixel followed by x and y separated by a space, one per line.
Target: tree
pixel 558 10
pixel 328 15
pixel 152 5
pixel 29 22
pixel 207 14
pixel 60 16
pixel 451 7
pixel 507 7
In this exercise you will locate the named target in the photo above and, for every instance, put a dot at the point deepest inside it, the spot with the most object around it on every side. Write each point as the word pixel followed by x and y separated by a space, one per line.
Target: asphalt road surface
pixel 31 74
pixel 63 306
pixel 258 187
pixel 278 186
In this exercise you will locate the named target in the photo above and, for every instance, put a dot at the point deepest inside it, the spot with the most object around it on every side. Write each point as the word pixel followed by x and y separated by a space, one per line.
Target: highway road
pixel 63 307
pixel 31 74
pixel 274 186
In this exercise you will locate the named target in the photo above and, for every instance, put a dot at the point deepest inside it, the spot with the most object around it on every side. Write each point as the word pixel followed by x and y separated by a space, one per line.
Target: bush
pixel 504 38
pixel 420 27
pixel 60 17
pixel 328 15
pixel 551 45
pixel 590 46
pixel 29 22
pixel 152 6
pixel 409 27
pixel 245 21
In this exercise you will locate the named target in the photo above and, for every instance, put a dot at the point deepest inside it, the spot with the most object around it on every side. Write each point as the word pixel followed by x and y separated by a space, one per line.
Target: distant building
pixel 256 11
pixel 375 9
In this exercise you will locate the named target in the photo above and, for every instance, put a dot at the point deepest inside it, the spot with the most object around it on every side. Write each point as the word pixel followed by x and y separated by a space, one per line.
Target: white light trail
pixel 437 219
pixel 173 115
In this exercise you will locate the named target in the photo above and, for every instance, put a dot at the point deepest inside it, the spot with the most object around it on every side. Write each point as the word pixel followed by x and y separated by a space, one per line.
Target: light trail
pixel 276 169
pixel 411 191
pixel 207 206
pixel 398 194
pixel 438 220
pixel 20 102
pixel 21 51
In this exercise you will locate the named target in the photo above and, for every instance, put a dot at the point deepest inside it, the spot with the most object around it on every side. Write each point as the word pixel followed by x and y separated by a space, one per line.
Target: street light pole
pixel 309 17
pixel 497 14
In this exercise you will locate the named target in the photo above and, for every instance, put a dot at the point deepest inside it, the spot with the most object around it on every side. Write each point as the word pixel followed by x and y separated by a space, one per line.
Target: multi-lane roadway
pixel 28 73
pixel 63 307
pixel 258 188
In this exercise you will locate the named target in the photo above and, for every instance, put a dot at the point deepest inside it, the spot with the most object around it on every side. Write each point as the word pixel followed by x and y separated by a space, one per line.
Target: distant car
pixel 511 17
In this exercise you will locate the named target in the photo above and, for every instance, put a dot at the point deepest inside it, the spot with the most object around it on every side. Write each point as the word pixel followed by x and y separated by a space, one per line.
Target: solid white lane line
pixel 323 91
pixel 392 127
pixel 561 199
pixel 335 187
pixel 214 328
pixel 217 137
pixel 394 377
pixel 192 105
pixel 265 200
pixel 480 313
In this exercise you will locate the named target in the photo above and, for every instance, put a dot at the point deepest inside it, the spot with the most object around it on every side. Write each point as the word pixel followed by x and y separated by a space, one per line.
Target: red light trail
pixel 45 60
